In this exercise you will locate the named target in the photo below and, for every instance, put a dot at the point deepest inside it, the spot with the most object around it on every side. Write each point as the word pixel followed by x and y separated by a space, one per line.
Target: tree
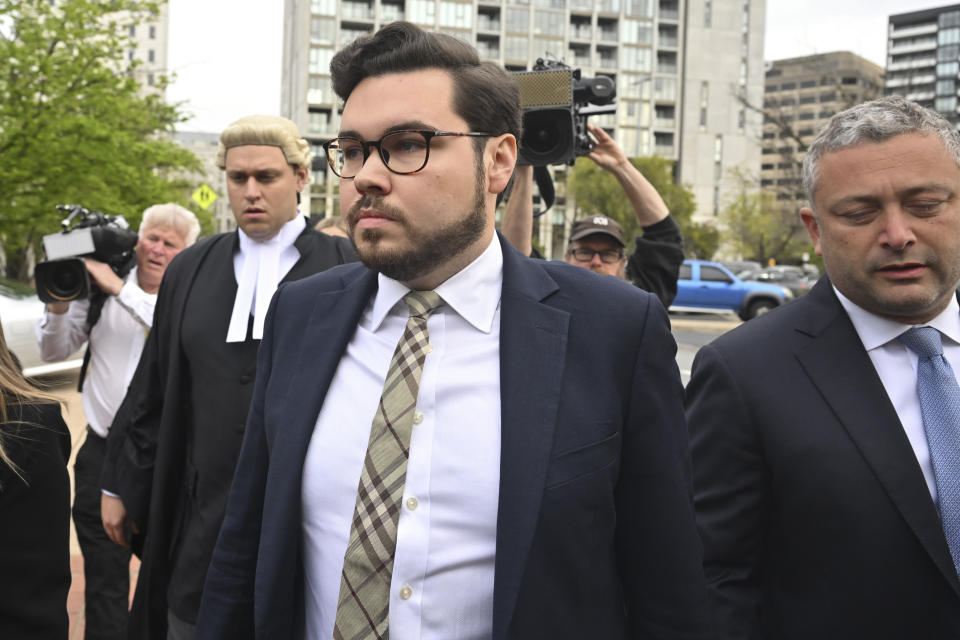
pixel 597 191
pixel 758 227
pixel 74 125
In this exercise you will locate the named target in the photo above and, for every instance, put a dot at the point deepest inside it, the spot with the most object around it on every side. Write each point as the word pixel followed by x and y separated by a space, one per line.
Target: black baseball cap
pixel 592 225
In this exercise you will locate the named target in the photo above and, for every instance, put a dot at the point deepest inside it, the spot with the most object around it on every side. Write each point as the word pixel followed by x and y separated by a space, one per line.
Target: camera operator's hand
pixel 103 275
pixel 607 154
pixel 647 203
pixel 114 517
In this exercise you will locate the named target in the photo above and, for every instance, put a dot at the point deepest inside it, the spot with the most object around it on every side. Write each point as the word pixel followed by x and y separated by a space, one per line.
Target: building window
pixel 515 48
pixel 423 11
pixel 948 69
pixel 320 60
pixel 548 23
pixel 704 103
pixel 948 36
pixel 319 90
pixel 946 105
pixel 149 79
pixel 323 30
pixel 643 8
pixel 324 7
pixel 150 56
pixel 456 14
pixel 518 20
pixel 707 13
pixel 635 59
pixel 636 32
pixel 153 32
pixel 133 31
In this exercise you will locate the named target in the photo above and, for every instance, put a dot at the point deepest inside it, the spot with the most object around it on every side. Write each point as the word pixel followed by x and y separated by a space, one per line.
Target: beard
pixel 426 249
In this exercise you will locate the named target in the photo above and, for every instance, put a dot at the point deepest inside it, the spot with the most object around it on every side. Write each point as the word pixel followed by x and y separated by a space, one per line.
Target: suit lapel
pixel 533 343
pixel 840 368
pixel 333 321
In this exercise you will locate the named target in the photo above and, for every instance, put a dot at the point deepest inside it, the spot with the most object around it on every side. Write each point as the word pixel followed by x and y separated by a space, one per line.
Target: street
pixel 693 330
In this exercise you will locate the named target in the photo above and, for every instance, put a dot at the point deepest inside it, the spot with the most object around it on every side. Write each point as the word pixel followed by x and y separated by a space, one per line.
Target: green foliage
pixel 759 228
pixel 597 191
pixel 74 127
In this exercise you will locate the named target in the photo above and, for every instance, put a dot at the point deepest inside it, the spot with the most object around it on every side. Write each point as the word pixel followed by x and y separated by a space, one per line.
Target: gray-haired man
pixel 824 453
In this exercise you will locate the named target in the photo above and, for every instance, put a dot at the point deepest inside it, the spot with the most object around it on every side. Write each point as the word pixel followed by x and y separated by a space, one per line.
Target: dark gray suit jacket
pixel 595 530
pixel 814 514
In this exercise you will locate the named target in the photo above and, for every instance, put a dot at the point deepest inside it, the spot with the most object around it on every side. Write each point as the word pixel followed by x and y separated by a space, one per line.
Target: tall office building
pixel 677 80
pixel 149 46
pixel 923 58
pixel 722 73
pixel 800 95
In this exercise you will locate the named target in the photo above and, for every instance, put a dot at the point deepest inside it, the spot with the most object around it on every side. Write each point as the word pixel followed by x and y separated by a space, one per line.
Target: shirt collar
pixel 473 292
pixel 875 331
pixel 285 237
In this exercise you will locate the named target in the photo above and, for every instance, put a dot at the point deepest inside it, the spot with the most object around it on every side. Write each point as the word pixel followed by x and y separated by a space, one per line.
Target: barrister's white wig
pixel 272 131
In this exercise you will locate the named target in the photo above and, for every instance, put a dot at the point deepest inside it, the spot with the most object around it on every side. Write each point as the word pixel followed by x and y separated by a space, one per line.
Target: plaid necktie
pixel 363 606
pixel 940 407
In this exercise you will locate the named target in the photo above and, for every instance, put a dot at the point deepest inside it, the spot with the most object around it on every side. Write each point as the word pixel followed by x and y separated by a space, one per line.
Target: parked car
pixel 20 309
pixel 794 278
pixel 709 286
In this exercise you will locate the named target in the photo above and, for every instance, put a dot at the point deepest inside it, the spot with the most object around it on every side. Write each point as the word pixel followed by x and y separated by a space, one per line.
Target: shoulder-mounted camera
pixel 63 276
pixel 555 99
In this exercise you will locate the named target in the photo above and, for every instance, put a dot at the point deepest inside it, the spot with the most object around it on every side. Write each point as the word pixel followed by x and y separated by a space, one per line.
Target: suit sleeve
pixel 730 494
pixel 655 263
pixel 132 440
pixel 226 609
pixel 657 546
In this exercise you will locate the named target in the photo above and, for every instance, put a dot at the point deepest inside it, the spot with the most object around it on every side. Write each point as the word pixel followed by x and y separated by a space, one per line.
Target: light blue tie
pixel 940 406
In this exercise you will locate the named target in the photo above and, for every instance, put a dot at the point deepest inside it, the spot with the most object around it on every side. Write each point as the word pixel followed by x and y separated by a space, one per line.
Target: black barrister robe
pixel 171 481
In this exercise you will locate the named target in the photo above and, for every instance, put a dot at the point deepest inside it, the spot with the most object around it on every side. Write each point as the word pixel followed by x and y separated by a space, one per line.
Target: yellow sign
pixel 204 196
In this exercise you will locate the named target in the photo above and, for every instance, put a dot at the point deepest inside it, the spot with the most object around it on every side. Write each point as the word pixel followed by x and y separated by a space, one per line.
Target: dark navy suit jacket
pixel 815 516
pixel 595 535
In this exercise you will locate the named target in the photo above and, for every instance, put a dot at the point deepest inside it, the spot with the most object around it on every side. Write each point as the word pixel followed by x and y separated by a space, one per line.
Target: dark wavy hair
pixel 484 94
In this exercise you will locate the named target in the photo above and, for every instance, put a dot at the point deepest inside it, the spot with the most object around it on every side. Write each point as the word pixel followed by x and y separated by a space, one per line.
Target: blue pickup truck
pixel 709 286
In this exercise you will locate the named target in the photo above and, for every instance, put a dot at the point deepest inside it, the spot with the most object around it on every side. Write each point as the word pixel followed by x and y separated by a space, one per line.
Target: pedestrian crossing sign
pixel 204 196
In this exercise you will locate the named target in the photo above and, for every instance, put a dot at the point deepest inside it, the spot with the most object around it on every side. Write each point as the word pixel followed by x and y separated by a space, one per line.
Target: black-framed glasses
pixel 402 152
pixel 607 256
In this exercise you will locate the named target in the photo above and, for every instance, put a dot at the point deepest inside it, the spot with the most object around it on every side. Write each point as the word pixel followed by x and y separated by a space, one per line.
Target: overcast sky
pixel 227 53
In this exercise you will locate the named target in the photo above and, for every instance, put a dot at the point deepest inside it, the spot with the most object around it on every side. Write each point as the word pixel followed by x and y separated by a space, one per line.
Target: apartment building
pixel 149 43
pixel 800 95
pixel 646 45
pixel 923 58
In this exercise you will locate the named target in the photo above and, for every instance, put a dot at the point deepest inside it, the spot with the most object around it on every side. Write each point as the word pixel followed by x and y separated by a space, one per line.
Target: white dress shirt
pixel 259 267
pixel 897 367
pixel 442 585
pixel 116 343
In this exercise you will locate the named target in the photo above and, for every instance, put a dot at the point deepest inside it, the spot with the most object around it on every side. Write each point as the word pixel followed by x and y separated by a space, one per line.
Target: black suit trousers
pixel 106 565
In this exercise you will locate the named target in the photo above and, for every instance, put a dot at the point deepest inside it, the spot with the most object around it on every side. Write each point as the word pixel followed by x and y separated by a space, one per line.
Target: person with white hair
pixel 175 444
pixel 114 322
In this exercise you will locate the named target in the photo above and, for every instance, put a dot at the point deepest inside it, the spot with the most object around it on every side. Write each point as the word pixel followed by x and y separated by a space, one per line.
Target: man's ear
pixel 301 175
pixel 500 159
pixel 813 228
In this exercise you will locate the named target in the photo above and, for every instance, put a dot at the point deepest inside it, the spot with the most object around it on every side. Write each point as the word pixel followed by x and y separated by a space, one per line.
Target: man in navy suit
pixel 545 492
pixel 818 505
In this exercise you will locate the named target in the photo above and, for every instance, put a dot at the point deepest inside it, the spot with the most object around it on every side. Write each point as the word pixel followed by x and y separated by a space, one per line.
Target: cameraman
pixel 116 333
pixel 596 242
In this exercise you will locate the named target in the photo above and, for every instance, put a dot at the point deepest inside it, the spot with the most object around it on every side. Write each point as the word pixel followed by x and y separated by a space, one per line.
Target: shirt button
pixel 417 417
pixel 412 504
pixel 405 592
